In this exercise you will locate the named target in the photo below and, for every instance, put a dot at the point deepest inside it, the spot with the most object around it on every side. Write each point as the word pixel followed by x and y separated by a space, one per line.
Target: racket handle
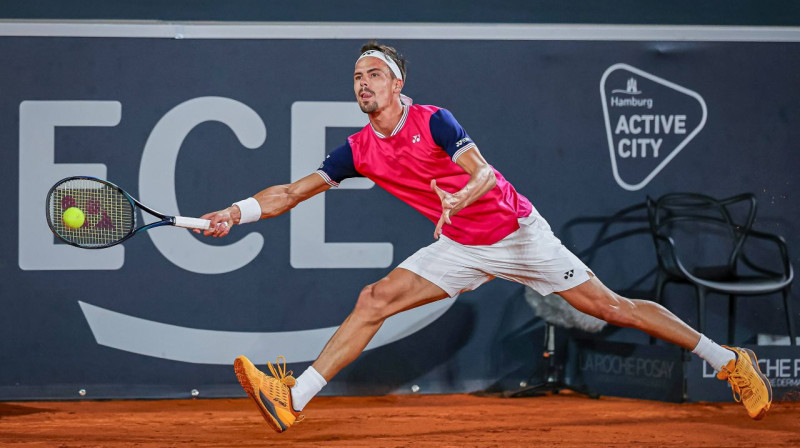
pixel 192 223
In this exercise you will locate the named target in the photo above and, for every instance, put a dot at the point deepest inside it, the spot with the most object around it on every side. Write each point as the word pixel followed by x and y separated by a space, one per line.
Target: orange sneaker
pixel 750 386
pixel 271 393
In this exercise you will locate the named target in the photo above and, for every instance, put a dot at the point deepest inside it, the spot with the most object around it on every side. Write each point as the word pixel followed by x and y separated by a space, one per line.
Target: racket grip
pixel 192 223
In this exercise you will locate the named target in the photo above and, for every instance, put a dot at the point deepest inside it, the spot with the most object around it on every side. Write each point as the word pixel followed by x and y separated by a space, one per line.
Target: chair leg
pixel 701 309
pixel 731 319
pixel 661 282
pixel 787 305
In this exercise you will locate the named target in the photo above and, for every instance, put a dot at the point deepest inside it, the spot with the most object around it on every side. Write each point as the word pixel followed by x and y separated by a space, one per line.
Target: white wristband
pixel 250 209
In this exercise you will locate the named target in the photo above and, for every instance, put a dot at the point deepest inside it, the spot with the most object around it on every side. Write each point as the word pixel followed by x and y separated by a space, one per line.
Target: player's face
pixel 374 85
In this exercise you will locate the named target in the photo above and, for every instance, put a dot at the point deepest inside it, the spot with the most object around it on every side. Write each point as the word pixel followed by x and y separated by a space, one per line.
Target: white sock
pixel 308 384
pixel 714 354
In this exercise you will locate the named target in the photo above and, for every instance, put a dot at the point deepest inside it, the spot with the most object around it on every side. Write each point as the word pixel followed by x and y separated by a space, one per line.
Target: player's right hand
pixel 449 202
pixel 221 223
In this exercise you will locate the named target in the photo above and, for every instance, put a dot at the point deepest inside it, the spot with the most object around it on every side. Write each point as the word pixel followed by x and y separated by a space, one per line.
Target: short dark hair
pixel 389 52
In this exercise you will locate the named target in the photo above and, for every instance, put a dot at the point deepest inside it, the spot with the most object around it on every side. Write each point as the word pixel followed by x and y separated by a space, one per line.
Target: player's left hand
pixel 449 202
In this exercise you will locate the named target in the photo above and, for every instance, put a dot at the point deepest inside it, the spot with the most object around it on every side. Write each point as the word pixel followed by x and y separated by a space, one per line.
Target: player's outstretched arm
pixel 482 179
pixel 272 201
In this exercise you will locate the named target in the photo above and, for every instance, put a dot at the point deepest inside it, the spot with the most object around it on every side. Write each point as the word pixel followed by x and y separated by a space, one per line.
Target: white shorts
pixel 532 255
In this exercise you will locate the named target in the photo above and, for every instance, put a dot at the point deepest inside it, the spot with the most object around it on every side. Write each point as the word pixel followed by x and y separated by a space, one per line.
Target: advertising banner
pixel 631 370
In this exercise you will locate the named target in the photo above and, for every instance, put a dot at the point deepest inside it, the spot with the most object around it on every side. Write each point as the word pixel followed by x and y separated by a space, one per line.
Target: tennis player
pixel 484 229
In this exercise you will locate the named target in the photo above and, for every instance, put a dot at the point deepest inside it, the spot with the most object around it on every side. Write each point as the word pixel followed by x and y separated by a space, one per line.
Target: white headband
pixel 380 55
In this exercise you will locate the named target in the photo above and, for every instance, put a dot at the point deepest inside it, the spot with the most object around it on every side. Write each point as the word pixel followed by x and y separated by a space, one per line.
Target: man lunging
pixel 484 229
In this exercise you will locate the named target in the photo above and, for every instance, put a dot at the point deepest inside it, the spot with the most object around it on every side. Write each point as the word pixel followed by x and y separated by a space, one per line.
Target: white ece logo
pixel 649 120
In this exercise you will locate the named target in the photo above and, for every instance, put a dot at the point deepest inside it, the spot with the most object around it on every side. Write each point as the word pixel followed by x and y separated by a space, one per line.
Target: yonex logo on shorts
pixel 569 274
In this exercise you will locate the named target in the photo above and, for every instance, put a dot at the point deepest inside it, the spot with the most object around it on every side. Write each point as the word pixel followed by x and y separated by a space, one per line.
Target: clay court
pixel 399 421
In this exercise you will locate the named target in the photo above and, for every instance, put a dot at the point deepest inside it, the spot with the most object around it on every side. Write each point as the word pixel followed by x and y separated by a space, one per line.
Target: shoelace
pixel 280 372
pixel 739 382
pixel 285 377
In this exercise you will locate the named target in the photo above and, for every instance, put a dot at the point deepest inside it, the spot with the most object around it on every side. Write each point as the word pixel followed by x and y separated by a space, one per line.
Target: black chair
pixel 713 232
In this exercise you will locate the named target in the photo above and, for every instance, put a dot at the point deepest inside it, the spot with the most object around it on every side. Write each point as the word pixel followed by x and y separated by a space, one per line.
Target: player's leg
pixel 442 269
pixel 535 257
pixel 594 298
pixel 738 366
pixel 399 291
pixel 432 273
pixel 280 397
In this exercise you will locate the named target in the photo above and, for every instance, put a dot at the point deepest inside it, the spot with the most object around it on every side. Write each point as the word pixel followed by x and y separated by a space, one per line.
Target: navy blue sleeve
pixel 448 134
pixel 338 166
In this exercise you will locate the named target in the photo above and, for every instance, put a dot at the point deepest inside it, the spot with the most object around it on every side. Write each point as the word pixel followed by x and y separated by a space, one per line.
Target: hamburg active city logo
pixel 649 120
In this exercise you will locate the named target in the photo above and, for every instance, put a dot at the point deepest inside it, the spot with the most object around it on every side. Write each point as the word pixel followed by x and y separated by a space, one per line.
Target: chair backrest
pixel 703 228
pixel 602 241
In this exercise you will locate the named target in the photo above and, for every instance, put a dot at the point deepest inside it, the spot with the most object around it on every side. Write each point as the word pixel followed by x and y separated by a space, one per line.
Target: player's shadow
pixel 14 410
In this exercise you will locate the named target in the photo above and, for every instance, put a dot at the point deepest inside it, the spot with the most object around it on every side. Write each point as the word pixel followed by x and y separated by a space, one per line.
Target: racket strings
pixel 108 214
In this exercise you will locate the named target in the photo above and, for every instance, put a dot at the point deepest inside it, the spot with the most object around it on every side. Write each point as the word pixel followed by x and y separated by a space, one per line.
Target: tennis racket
pixel 109 213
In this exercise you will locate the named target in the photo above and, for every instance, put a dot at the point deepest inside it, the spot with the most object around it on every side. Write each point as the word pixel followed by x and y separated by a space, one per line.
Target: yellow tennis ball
pixel 73 217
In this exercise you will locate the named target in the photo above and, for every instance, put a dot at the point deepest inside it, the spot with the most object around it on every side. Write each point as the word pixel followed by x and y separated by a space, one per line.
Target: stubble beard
pixel 369 107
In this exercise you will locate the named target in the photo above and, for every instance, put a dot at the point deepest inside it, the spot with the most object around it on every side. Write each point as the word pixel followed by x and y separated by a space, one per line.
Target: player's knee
pixel 373 303
pixel 619 311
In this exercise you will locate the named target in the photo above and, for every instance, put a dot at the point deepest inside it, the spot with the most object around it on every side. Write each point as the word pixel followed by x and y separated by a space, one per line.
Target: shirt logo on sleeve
pixel 415 139
pixel 462 141
pixel 321 165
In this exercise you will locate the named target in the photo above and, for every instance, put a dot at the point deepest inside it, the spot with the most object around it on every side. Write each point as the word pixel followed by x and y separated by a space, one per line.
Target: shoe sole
pixel 764 378
pixel 268 413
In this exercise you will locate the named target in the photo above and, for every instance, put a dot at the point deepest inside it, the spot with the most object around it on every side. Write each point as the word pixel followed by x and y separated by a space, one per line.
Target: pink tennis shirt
pixel 425 145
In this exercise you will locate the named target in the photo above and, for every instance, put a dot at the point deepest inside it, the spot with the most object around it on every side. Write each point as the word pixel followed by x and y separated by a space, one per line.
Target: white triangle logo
pixel 649 120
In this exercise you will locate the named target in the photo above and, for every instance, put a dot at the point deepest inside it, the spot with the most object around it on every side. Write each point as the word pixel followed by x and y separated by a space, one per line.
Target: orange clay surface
pixel 439 421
